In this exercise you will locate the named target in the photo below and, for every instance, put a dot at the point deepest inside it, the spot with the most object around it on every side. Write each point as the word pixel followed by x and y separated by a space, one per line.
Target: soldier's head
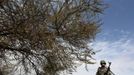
pixel 103 63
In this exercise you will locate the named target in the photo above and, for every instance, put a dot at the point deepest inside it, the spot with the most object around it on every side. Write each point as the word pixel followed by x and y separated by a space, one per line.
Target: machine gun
pixel 108 69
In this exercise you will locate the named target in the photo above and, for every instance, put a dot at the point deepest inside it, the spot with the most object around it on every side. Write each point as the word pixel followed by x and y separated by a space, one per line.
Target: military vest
pixel 102 71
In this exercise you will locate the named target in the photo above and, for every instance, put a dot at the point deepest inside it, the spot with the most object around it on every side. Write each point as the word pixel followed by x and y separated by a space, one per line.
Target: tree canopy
pixel 47 36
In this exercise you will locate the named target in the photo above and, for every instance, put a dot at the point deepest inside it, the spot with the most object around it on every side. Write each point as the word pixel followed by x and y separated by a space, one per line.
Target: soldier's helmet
pixel 102 62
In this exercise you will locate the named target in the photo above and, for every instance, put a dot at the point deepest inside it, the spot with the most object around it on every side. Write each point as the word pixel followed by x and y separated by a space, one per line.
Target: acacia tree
pixel 47 36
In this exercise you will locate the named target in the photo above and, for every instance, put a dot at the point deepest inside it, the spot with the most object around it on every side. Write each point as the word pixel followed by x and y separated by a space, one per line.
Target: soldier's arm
pixel 97 73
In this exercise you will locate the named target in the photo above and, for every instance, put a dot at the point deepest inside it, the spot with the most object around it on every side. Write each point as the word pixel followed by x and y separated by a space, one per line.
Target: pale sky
pixel 116 39
pixel 120 52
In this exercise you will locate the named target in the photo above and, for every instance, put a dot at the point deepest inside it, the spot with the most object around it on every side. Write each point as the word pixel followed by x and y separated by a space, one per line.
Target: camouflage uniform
pixel 102 71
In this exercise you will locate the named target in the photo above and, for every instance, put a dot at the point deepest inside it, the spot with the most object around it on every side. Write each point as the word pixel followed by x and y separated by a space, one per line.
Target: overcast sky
pixel 116 39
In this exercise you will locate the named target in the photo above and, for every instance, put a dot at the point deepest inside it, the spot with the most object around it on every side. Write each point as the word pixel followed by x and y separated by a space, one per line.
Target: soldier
pixel 103 70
